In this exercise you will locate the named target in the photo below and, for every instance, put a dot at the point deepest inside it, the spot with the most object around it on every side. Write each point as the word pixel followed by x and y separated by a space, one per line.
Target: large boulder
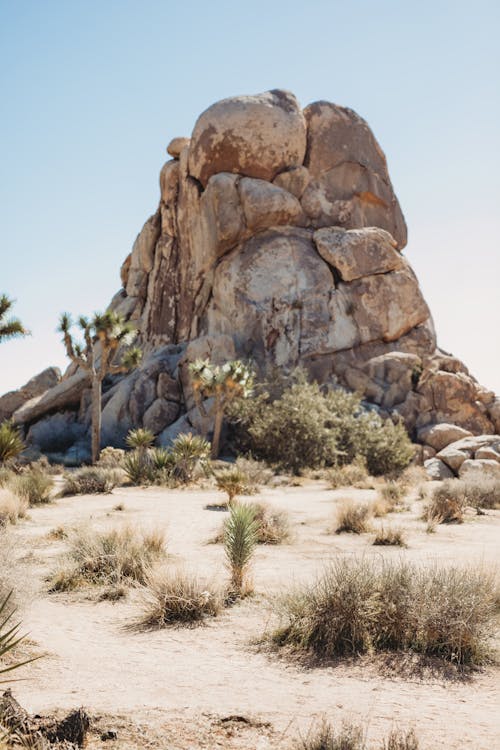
pixel 256 136
pixel 36 386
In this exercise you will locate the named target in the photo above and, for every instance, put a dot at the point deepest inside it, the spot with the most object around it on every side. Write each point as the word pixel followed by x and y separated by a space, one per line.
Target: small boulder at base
pixel 479 468
pixel 437 469
pixel 438 436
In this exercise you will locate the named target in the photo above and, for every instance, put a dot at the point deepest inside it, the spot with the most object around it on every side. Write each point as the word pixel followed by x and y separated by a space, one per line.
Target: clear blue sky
pixel 92 92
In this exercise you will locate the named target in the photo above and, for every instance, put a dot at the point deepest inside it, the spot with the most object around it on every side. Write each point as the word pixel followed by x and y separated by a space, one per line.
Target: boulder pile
pixel 278 238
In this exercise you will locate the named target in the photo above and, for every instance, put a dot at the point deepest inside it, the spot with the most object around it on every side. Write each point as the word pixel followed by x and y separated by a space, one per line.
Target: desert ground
pixel 216 685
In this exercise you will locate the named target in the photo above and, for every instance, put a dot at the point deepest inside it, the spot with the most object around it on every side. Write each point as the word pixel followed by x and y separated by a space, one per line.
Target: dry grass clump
pixel 258 473
pixel 447 503
pixel 350 475
pixel 392 493
pixel 172 597
pixel 108 557
pixel 359 605
pixel 111 458
pixel 34 486
pixel 353 517
pixel 352 737
pixel 90 481
pixel 451 498
pixel 273 525
pixel 390 537
pixel 12 507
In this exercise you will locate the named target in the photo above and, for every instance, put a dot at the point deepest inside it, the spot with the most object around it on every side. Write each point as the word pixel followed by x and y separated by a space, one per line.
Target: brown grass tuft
pixel 353 517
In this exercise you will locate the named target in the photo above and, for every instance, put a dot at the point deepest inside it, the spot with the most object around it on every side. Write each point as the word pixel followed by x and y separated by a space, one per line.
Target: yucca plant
pixel 241 534
pixel 140 439
pixel 188 451
pixel 231 481
pixel 137 470
pixel 223 383
pixel 9 635
pixel 11 442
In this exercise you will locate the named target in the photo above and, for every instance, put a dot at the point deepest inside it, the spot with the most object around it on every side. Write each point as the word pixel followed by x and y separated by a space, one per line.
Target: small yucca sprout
pixel 231 481
pixel 140 438
pixel 240 539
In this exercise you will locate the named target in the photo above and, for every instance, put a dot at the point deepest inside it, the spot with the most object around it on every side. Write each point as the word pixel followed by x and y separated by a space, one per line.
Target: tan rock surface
pixel 256 136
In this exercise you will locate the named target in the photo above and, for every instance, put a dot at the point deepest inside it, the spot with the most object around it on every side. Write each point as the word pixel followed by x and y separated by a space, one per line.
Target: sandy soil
pixel 211 686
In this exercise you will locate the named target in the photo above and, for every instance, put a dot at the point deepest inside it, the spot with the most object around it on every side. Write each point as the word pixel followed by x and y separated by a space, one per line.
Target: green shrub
pixel 188 452
pixel 91 480
pixel 108 557
pixel 273 525
pixel 240 540
pixel 176 597
pixel 322 428
pixel 34 486
pixel 361 605
pixel 11 442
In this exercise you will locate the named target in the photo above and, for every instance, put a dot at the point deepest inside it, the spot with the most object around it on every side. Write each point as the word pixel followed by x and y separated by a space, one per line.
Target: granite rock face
pixel 278 237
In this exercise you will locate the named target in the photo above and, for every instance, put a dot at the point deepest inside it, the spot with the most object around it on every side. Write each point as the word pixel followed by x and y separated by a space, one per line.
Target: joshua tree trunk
pixel 96 418
pixel 219 417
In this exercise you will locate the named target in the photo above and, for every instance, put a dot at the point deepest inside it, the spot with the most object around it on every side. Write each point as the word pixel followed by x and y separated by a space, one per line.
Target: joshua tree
pixel 9 327
pixel 223 383
pixel 104 335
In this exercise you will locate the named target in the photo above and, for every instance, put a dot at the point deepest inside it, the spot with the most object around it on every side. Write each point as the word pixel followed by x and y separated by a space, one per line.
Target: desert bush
pixel 34 486
pixel 137 468
pixel 350 736
pixel 273 525
pixel 90 480
pixel 11 442
pixel 108 557
pixel 348 475
pixel 176 597
pixel 353 517
pixel 188 452
pixel 257 472
pixel 111 458
pixel 43 464
pixel 12 507
pixel 231 481
pixel 6 476
pixel 390 537
pixel 324 737
pixel 240 540
pixel 361 605
pixel 481 493
pixel 140 439
pixel 447 504
pixel 322 428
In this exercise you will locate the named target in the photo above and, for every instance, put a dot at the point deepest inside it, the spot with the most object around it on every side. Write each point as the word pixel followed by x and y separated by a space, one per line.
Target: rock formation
pixel 278 238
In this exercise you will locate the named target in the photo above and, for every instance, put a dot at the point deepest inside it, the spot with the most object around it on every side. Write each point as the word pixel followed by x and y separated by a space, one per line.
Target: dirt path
pixel 180 674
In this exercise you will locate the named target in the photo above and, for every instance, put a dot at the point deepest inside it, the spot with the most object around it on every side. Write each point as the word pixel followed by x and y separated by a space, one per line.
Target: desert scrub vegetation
pixel 390 537
pixel 90 480
pixel 121 555
pixel 450 500
pixel 188 455
pixel 362 605
pixel 11 442
pixel 111 458
pixel 323 427
pixel 240 539
pixel 232 481
pixel 349 475
pixel 353 517
pixel 176 597
pixel 12 507
pixel 34 486
pixel 273 525
pixel 350 736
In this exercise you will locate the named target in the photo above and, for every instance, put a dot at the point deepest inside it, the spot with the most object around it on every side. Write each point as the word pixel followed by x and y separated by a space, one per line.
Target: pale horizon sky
pixel 93 92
